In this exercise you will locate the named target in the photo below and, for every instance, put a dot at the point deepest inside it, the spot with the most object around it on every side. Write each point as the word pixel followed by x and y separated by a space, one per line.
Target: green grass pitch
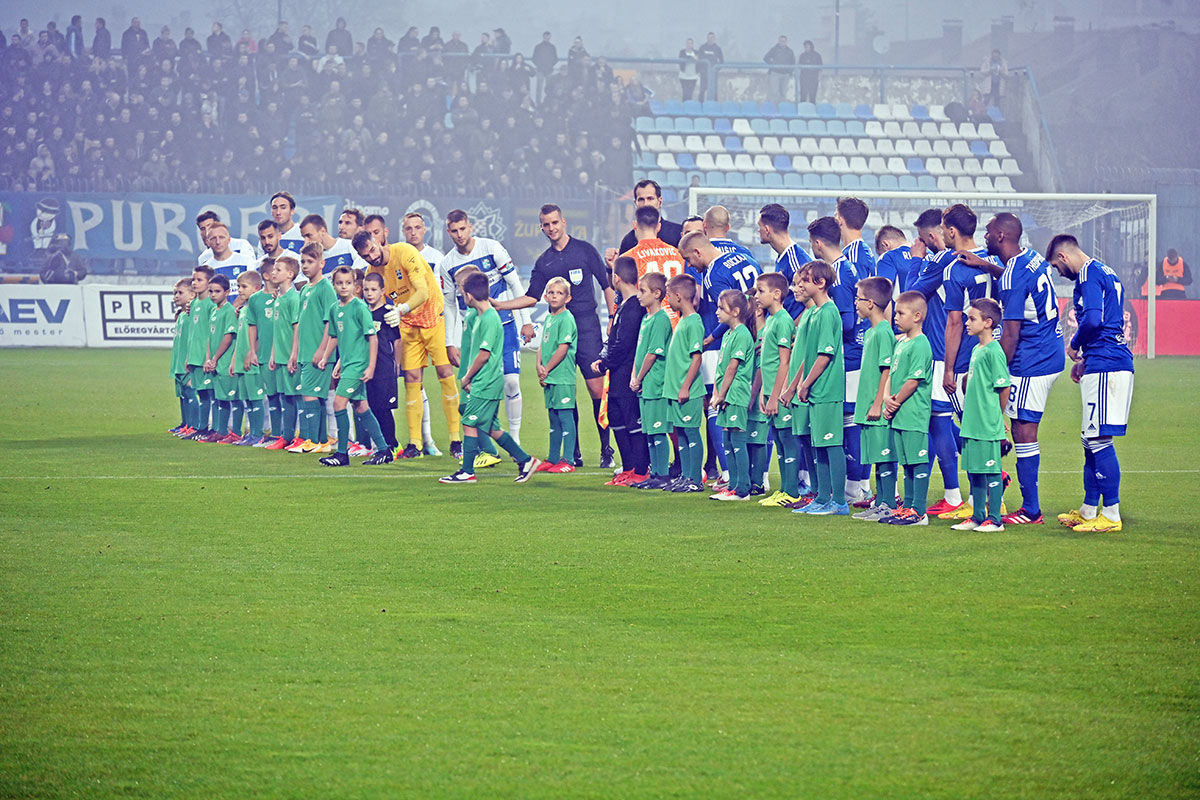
pixel 184 620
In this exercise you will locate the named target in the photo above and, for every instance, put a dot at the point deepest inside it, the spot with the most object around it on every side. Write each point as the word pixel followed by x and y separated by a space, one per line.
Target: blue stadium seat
pixel 863 111
pixel 676 179
pixel 664 125
pixel 779 126
pixel 684 125
pixel 787 109
pixel 856 128
pixel 712 108
pixel 735 179
pixel 797 127
pixel 722 126
pixel 657 176
pixel 920 113
pixel 646 161
pixel 693 108
pixel 644 125
pixel 702 125
pixel 817 128
pixel 980 149
pixel 673 107
pixel 656 107
pixel 826 110
pixel 793 180
pixel 916 165
pixel 835 127
pixel 754 180
pixel 773 180
pixel 830 181
pixel 760 126
pixel 812 180
pixel 734 145
pixel 926 183
pixel 714 179
pixel 888 183
pixel 768 109
pixel 783 163
pixel 867 182
pixel 844 110
pixel 908 183
pixel 749 108
pixel 686 161
pixel 995 114
pixel 851 182
pixel 806 110
pixel 670 196
pixel 731 108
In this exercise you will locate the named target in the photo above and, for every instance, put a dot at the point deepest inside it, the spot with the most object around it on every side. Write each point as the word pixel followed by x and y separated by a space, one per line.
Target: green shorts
pixel 656 417
pixel 911 447
pixel 484 415
pixel 201 380
pixel 180 382
pixel 687 415
pixel 352 386
pixel 877 444
pixel 250 385
pixel 733 417
pixel 800 419
pixel 980 457
pixel 283 381
pixel 313 382
pixel 225 386
pixel 783 419
pixel 559 395
pixel 825 419
pixel 757 429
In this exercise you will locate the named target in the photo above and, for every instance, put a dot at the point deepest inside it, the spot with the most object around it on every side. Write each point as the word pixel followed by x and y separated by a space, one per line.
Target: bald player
pixel 414 229
pixel 716 227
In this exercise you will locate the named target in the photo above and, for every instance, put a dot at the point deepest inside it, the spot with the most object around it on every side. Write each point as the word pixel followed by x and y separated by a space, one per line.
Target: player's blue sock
pixel 837 472
pixel 343 425
pixel 885 484
pixel 238 421
pixel 979 495
pixel 808 463
pixel 1091 486
pixel 916 480
pixel 221 417
pixel 716 435
pixel 204 402
pixel 789 463
pixel 852 445
pixel 995 496
pixel 659 455
pixel 758 462
pixel 274 413
pixel 257 415
pixel 291 407
pixel 824 487
pixel 942 443
pixel 470 448
pixel 1108 470
pixel 512 448
pixel 554 454
pixel 739 473
pixel 566 424
pixel 1029 461
pixel 368 428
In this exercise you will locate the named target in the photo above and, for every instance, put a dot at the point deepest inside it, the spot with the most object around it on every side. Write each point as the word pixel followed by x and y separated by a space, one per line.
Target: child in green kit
pixel 484 383
pixel 312 327
pixel 487 456
pixel 556 374
pixel 872 297
pixel 352 334
pixel 222 330
pixel 908 407
pixel 731 395
pixel 649 364
pixel 285 313
pixel 800 410
pixel 823 387
pixel 776 360
pixel 244 365
pixel 685 406
pixel 179 344
pixel 260 329
pixel 201 310
pixel 983 422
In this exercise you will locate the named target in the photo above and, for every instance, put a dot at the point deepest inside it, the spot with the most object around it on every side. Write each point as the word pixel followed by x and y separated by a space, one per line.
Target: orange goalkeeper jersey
pixel 407 278
pixel 655 255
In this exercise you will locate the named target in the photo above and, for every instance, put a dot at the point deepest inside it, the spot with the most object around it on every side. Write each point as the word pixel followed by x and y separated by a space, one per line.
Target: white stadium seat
pixel 654 143
pixel 858 165
pixel 820 164
pixel 945 184
pixel 892 130
pixel 911 130
pixel 1003 184
pixel 999 149
pixel 866 147
pixel 882 111
pixel 723 162
pixel 941 149
pixel 984 184
pixel 874 128
pixel 753 145
pixel 960 148
pixel 839 164
pixel 900 112
pixel 954 167
pixel 896 166
pixel 949 130
pixel 972 167
pixel 714 144
pixel 933 166
pixel 992 166
pixel 742 162
pixel 964 184
pixel 790 146
pixel 827 146
pixel 666 161
pixel 967 131
pixel 938 113
pixel 801 164
pixel 704 161
pixel 763 163
pixel 808 146
pixel 770 145
pixel 885 147
pixel 675 143
pixel 904 147
pixel 877 165
pixel 1009 167
pixel 929 130
pixel 693 144
pixel 741 127
pixel 847 147
pixel 987 131
pixel 923 148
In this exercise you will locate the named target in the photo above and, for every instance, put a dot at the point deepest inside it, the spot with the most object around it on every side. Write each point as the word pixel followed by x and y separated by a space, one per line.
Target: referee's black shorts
pixel 589 343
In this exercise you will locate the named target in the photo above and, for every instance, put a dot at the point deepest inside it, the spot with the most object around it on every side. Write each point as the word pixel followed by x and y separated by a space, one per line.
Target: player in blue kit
pixel 1104 371
pixel 716 226
pixel 825 236
pixel 934 257
pixel 773 222
pixel 895 260
pixel 721 271
pixel 851 216
pixel 961 284
pixel 1032 339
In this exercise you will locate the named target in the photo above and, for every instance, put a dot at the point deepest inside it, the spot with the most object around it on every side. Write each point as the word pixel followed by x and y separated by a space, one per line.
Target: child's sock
pixel 368 428
pixel 190 408
pixel 716 440
pixel 758 462
pixel 257 417
pixel 824 487
pixel 739 470
pixel 689 456
pixel 918 476
pixel 554 454
pixel 470 448
pixel 183 408
pixel 979 496
pixel 941 436
pixel 308 423
pixel 837 472
pixel 449 386
pixel 274 413
pixel 221 417
pixel 1108 471
pixel 387 425
pixel 322 420
pixel 789 462
pixel 238 421
pixel 641 452
pixel 291 409
pixel 487 445
pixel 659 454
pixel 513 405
pixel 342 419
pixel 807 459
pixel 995 496
pixel 511 447
pixel 1029 460
pixel 412 413
pixel 566 424
pixel 204 404
pixel 885 484
pixel 621 436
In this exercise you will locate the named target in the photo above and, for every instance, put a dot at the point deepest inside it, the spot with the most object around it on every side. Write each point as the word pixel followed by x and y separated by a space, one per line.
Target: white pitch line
pixel 377 474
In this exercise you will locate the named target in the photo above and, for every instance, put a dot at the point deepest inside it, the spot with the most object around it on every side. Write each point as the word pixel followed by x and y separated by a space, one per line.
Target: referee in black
pixel 580 264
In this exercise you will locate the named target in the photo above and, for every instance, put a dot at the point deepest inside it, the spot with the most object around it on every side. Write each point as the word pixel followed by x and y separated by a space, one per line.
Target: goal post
pixel 1118 229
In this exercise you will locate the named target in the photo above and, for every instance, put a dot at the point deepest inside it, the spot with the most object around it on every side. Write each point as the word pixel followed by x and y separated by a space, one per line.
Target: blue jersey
pixel 731 270
pixel 730 246
pixel 962 284
pixel 859 254
pixel 1099 300
pixel 898 266
pixel 788 264
pixel 1027 294
pixel 490 257
pixel 928 281
pixel 845 283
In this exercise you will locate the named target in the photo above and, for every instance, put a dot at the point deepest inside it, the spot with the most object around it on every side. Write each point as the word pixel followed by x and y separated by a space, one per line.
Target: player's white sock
pixel 1088 512
pixel 1112 512
pixel 864 487
pixel 725 475
pixel 851 489
pixel 512 405
pixel 954 497
pixel 805 477
pixel 426 432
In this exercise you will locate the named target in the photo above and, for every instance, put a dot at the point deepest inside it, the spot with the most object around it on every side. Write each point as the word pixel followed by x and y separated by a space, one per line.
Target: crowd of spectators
pixel 347 115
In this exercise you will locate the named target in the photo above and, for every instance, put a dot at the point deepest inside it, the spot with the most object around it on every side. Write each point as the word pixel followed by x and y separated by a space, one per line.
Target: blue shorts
pixel 512 350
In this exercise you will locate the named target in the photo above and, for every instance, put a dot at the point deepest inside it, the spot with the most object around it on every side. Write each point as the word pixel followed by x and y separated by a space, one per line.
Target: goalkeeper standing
pixel 419 314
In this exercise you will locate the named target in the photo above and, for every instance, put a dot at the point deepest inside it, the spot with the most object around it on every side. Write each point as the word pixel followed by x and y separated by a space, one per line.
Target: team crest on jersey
pixel 576 276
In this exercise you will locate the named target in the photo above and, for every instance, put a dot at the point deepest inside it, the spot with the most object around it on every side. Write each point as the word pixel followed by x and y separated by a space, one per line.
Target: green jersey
pixel 824 338
pixel 224 320
pixel 876 357
pixel 777 333
pixel 201 310
pixel 912 360
pixel 986 378
pixel 284 311
pixel 488 337
pixel 315 301
pixel 353 325
pixel 179 345
pixel 465 345
pixel 755 413
pixel 737 343
pixel 259 309
pixel 241 342
pixel 653 337
pixel 687 341
pixel 559 329
pixel 799 338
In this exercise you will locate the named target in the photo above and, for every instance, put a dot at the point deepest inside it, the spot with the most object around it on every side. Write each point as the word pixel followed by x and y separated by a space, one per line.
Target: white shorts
pixel 1106 399
pixel 941 402
pixel 708 366
pixel 1027 397
pixel 852 385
